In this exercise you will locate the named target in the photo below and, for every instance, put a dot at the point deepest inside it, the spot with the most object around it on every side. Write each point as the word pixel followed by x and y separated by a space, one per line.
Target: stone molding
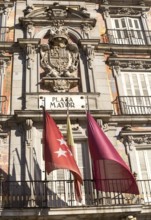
pixel 129 64
pixel 30 46
pixel 121 10
pixel 131 137
pixel 51 14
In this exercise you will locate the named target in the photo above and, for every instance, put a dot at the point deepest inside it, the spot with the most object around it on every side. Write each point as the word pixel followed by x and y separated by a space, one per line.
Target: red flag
pixel 110 172
pixel 70 142
pixel 57 154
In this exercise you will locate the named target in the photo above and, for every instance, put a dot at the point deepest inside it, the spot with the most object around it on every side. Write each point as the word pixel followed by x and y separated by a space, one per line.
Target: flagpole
pixel 88 110
pixel 44 139
pixel 70 177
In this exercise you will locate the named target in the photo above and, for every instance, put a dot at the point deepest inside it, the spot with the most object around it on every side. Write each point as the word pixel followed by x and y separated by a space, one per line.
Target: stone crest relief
pixel 59 59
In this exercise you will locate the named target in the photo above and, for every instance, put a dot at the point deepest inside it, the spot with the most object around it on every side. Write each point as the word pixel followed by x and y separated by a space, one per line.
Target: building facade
pixel 73 56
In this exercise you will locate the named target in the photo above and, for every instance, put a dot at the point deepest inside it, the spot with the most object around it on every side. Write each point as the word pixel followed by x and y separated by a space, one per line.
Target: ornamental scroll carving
pixel 130 64
pixel 130 138
pixel 123 10
pixel 59 60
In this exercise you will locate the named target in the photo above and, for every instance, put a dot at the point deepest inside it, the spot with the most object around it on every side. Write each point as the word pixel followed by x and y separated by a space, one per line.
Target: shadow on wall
pixel 27 194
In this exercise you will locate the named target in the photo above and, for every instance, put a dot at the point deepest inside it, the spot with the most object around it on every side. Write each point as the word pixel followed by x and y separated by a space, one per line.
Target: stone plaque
pixel 62 102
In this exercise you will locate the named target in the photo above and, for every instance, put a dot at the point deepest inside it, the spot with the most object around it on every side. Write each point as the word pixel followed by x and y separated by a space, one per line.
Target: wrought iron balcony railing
pixel 6 34
pixel 57 194
pixel 3 103
pixel 130 37
pixel 132 105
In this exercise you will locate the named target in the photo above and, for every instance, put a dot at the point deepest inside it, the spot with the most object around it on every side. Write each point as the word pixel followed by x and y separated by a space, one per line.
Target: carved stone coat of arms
pixel 59 58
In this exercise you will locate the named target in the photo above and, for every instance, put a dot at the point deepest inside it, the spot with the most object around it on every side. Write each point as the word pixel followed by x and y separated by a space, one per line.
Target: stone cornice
pixel 135 135
pixel 123 49
pixel 129 63
pixel 121 10
pixel 66 22
pixel 49 15
pixel 37 115
pixel 15 46
pixel 85 212
pixel 26 41
pixel 122 120
pixel 114 48
pixel 139 3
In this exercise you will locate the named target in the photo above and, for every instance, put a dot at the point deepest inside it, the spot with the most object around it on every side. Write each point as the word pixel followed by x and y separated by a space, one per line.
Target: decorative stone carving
pixel 30 29
pixel 28 126
pixel 90 56
pixel 130 137
pixel 28 9
pixel 48 14
pixel 100 123
pixel 129 64
pixel 59 84
pixel 4 10
pixel 86 28
pixel 4 60
pixel 126 11
pixel 30 55
pixel 59 57
pixel 29 46
pixel 56 12
pixel 104 126
pixel 123 10
pixel 3 136
pixel 77 130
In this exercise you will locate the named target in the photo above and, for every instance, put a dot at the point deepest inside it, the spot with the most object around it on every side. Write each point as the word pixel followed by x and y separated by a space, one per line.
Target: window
pixel 144 163
pixel 136 92
pixel 127 30
pixel 136 83
pixel 143 159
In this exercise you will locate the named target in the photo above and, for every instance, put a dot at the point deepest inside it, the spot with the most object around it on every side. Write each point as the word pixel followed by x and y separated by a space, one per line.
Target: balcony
pixel 3 105
pixel 127 37
pixel 60 194
pixel 132 105
pixel 6 34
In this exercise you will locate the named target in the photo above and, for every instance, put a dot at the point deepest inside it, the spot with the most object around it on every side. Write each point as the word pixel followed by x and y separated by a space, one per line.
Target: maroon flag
pixel 57 154
pixel 110 172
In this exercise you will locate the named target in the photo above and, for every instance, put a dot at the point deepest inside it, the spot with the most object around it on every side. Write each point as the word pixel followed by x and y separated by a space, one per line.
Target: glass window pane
pixel 128 85
pixel 117 23
pixel 149 80
pixel 143 85
pixel 130 22
pixel 136 85
pixel 123 22
pixel 136 24
pixel 142 163
pixel 149 159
